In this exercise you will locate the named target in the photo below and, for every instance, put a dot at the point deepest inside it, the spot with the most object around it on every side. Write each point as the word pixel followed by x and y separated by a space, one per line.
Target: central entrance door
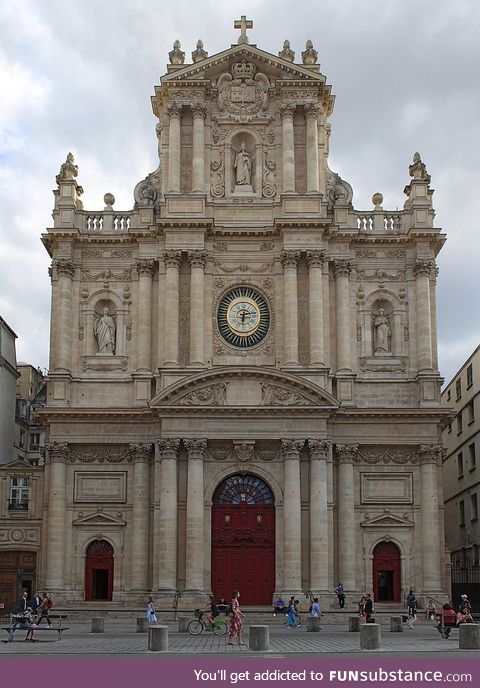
pixel 99 571
pixel 386 572
pixel 243 540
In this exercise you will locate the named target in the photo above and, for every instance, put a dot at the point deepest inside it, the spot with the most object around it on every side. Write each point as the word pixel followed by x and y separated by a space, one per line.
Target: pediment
pixel 212 67
pixel 387 519
pixel 98 518
pixel 244 388
pixel 17 464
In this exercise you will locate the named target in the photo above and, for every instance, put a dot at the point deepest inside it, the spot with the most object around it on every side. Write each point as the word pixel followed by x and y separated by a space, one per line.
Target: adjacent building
pixel 243 388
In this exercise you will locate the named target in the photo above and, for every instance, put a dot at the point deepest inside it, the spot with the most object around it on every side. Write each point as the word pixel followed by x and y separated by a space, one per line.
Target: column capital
pixel 287 110
pixel 424 267
pixel 172 258
pixel 199 109
pixel 346 453
pixel 168 449
pixel 291 448
pixel 431 453
pixel 140 452
pixel 311 110
pixel 63 267
pixel 174 110
pixel 342 267
pixel 145 266
pixel 196 449
pixel 315 259
pixel 289 259
pixel 57 452
pixel 319 449
pixel 197 258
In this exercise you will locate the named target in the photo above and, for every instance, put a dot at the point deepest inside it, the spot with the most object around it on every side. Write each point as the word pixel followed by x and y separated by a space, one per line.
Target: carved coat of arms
pixel 243 93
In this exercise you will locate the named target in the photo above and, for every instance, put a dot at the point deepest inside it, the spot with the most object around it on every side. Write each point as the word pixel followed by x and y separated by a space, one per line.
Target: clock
pixel 243 317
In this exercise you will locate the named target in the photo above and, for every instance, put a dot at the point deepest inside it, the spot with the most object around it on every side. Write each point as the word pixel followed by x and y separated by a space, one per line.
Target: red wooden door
pixel 99 571
pixel 243 541
pixel 386 572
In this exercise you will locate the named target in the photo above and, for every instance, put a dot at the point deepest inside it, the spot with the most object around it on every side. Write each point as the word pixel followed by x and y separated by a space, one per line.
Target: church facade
pixel 243 389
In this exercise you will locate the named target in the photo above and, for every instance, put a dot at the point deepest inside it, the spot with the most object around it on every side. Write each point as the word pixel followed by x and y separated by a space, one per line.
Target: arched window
pixel 243 489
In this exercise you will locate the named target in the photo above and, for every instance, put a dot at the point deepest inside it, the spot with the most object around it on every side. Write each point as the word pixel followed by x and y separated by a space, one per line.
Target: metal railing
pixel 18 504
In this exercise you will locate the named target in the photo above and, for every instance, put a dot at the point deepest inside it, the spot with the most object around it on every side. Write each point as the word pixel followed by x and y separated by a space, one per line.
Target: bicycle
pixel 197 625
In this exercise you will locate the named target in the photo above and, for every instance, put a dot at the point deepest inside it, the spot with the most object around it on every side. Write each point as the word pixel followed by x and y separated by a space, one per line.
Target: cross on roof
pixel 243 24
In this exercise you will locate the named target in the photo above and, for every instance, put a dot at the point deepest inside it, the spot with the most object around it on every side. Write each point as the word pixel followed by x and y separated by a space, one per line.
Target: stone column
pixel 287 113
pixel 145 270
pixel 194 565
pixel 175 115
pixel 292 514
pixel 341 270
pixel 55 527
pixel 315 306
pixel 198 146
pixel 345 455
pixel 290 323
pixel 139 555
pixel 197 260
pixel 311 115
pixel 65 271
pixel 422 271
pixel 173 261
pixel 430 457
pixel 166 538
pixel 320 451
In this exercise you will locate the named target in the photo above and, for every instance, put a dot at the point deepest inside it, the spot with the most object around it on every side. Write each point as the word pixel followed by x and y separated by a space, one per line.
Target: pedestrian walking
pixel 368 607
pixel 44 608
pixel 315 610
pixel 340 595
pixel 151 614
pixel 235 627
pixel 412 611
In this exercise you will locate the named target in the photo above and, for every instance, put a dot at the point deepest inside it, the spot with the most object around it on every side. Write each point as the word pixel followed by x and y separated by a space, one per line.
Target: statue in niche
pixel 382 333
pixel 104 331
pixel 243 166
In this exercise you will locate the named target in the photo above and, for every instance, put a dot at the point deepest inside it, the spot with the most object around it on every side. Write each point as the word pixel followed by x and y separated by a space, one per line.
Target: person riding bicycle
pixel 212 610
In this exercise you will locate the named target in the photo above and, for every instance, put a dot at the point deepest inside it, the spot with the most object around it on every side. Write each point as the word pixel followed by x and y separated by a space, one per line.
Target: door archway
pixel 99 571
pixel 386 572
pixel 243 540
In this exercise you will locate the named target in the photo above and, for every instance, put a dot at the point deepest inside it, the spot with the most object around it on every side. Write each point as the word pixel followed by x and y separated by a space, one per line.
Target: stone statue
pixel 382 333
pixel 104 331
pixel 243 166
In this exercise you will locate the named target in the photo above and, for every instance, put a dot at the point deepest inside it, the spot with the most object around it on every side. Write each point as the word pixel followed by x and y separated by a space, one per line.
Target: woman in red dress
pixel 235 628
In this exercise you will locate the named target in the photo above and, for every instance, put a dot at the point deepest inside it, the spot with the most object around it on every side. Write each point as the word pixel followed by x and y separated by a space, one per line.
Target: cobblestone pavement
pixel 121 639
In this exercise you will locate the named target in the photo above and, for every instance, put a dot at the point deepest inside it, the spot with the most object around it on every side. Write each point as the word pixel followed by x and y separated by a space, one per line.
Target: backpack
pixel 229 609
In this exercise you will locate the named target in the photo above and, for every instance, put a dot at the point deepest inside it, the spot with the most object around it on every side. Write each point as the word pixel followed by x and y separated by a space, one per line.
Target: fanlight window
pixel 243 489
pixel 100 548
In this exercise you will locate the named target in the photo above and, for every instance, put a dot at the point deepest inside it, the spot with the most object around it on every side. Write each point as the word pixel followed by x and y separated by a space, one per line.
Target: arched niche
pixel 92 309
pixel 370 317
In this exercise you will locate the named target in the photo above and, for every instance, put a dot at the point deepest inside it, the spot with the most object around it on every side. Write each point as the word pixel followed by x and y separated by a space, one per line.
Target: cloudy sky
pixel 78 77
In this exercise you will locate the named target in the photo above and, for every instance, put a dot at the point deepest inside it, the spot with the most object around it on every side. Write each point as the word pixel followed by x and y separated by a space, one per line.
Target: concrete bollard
pixel 370 637
pixel 469 637
pixel 354 624
pixel 313 624
pixel 259 638
pixel 183 622
pixel 98 624
pixel 158 638
pixel 142 624
pixel 396 625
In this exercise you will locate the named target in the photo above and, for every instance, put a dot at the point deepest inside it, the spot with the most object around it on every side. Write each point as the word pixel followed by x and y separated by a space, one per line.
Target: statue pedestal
pixel 243 190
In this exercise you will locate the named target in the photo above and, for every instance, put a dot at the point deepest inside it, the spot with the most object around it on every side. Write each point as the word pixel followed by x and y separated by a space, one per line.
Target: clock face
pixel 243 317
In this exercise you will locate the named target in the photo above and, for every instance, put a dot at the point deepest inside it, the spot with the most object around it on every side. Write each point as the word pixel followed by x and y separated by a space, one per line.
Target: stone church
pixel 243 389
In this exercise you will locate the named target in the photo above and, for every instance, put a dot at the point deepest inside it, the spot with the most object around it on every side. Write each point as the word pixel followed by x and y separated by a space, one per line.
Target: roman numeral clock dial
pixel 243 317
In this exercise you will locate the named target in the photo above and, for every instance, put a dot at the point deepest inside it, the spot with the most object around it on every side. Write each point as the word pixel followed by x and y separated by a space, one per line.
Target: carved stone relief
pixel 242 94
pixel 212 395
pixel 217 188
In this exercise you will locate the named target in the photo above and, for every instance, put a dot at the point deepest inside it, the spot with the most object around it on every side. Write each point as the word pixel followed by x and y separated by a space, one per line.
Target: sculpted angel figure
pixel 243 166
pixel 104 331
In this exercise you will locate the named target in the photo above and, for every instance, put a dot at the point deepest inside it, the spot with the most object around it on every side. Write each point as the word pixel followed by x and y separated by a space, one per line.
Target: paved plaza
pixel 121 639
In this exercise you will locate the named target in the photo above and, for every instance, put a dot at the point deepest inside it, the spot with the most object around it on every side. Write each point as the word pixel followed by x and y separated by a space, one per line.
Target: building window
pixel 449 427
pixel 449 394
pixel 460 464
pixel 461 513
pixel 34 441
pixel 473 507
pixel 470 412
pixel 469 375
pixel 18 494
pixel 458 388
pixel 459 423
pixel 22 439
pixel 472 457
